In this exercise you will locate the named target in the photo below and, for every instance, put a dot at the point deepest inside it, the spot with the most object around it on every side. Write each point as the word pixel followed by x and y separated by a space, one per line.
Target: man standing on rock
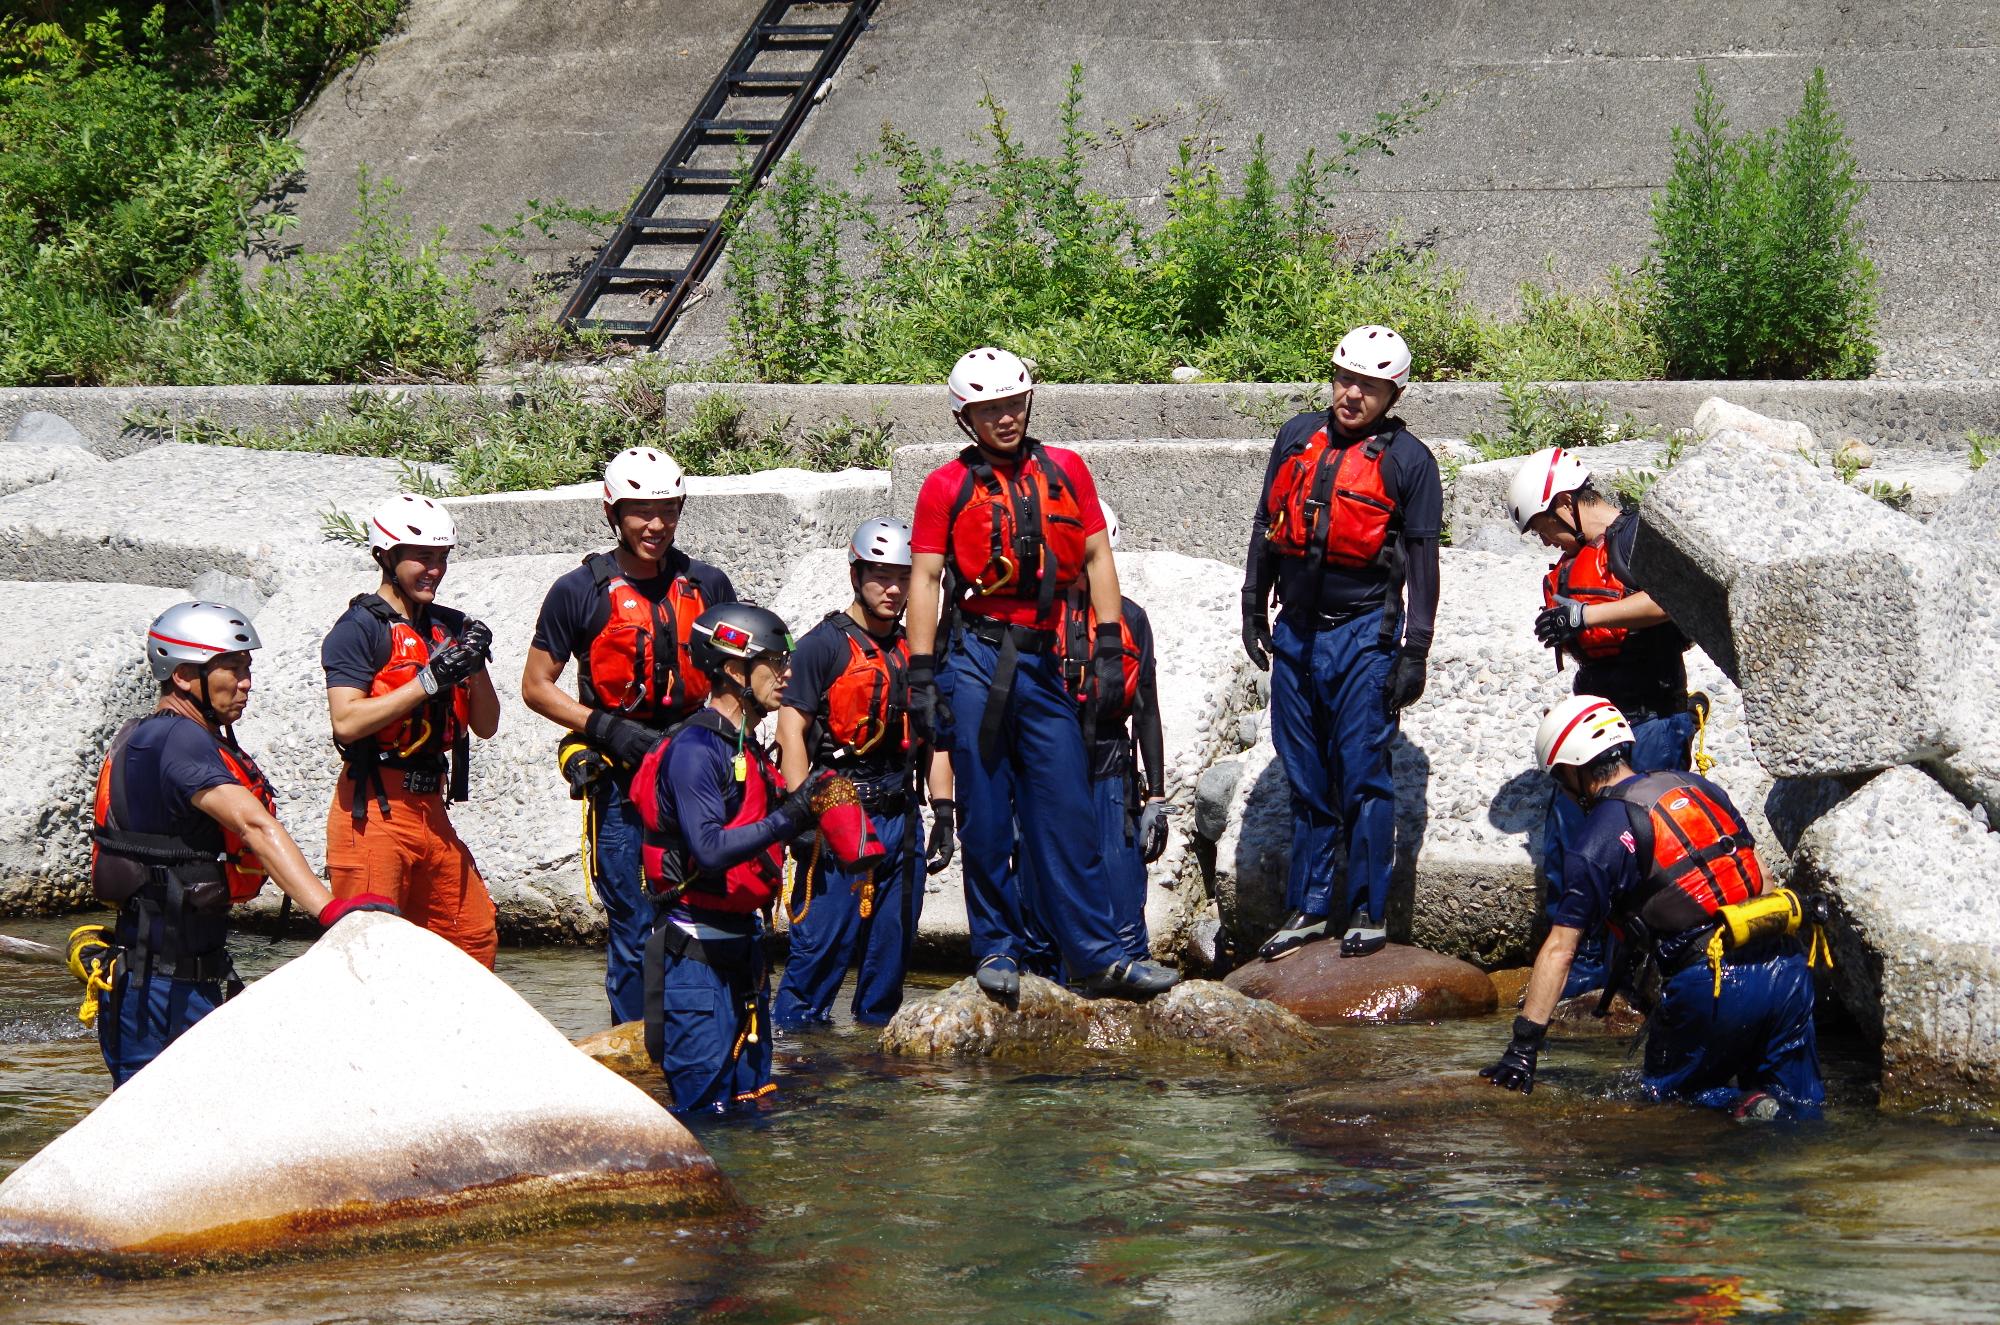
pixel 1666 859
pixel 407 689
pixel 1002 533
pixel 625 616
pixel 1345 532
pixel 1625 647
pixel 845 709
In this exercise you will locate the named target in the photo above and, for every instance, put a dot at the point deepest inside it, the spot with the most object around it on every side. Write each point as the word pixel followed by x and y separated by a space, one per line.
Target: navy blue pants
pixel 1757 1036
pixel 1333 737
pixel 628 907
pixel 1039 778
pixel 1118 840
pixel 1656 744
pixel 832 934
pixel 151 1015
pixel 711 1063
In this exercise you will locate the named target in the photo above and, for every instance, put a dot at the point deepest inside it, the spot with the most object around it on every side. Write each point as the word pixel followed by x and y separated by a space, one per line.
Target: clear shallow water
pixel 1366 1186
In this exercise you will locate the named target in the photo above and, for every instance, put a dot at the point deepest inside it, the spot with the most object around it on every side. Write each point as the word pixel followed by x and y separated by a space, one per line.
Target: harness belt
pixel 742 976
pixel 1012 641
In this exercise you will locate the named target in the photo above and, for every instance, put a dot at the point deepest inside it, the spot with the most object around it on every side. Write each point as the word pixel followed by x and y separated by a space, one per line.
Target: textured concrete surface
pixel 73 671
pixel 177 510
pixel 41 448
pixel 1972 514
pixel 1917 961
pixel 350 1090
pixel 753 526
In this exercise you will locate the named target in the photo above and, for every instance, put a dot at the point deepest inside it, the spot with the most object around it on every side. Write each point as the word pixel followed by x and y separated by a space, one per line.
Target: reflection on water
pixel 1366 1186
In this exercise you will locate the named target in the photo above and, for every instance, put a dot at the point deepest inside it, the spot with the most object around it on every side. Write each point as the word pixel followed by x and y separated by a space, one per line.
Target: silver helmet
pixel 884 540
pixel 195 633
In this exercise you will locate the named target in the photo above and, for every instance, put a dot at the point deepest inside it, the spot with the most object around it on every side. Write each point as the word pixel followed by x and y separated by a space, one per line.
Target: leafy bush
pixel 1538 417
pixel 1758 265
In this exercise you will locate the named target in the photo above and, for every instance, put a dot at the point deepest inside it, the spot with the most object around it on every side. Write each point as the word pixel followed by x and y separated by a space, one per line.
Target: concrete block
pixel 1972 514
pixel 1928 482
pixel 1916 957
pixel 73 671
pixel 41 448
pixel 1785 436
pixel 169 514
pixel 752 525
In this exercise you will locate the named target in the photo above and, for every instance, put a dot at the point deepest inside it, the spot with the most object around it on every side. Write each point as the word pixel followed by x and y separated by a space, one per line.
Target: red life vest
pixel 1586 576
pixel 1076 637
pixel 1330 502
pixel 637 665
pixel 865 708
pixel 745 887
pixel 1017 534
pixel 429 730
pixel 1692 849
pixel 121 861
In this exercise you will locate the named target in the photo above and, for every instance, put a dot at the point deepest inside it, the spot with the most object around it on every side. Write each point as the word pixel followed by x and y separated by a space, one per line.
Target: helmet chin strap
pixel 202 700
pixel 1574 528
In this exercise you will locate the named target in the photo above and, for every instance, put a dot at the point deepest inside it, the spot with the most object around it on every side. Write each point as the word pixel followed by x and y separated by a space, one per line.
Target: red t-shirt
pixel 929 534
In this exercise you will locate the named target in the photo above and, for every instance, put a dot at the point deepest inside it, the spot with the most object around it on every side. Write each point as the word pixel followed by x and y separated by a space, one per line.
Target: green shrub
pixel 1758 268
pixel 1538 417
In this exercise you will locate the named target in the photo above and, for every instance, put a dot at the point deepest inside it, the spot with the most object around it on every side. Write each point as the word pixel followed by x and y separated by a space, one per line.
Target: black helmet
pixel 743 631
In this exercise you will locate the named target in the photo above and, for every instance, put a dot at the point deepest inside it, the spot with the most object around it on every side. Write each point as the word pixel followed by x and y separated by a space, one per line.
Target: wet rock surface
pixel 1197 1018
pixel 623 1050
pixel 1398 983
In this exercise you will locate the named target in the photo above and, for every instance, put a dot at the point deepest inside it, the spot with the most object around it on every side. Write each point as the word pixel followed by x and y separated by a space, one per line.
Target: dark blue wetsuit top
pixel 698 788
pixel 169 759
pixel 1601 868
pixel 1410 476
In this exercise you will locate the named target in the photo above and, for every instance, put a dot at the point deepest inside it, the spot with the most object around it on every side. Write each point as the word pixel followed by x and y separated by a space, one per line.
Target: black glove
pixel 480 636
pixel 1516 1068
pixel 1406 682
pixel 626 741
pixel 1256 629
pixel 450 666
pixel 1152 831
pixel 927 707
pixel 1558 625
pixel 944 828
pixel 794 815
pixel 582 766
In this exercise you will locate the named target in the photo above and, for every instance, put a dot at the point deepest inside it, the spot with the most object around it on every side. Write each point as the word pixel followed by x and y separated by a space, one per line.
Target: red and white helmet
pixel 1374 351
pixel 1543 477
pixel 1110 521
pixel 195 633
pixel 1578 730
pixel 640 473
pixel 987 374
pixel 407 520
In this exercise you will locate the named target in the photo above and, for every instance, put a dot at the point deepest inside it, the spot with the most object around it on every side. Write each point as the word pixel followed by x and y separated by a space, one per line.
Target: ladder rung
pixel 795 38
pixel 667 275
pixel 614 325
pixel 799 29
pixel 767 85
pixel 727 130
pixel 666 229
pixel 705 181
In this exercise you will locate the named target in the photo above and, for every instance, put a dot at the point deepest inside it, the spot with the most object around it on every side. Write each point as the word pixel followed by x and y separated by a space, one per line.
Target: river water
pixel 1369 1185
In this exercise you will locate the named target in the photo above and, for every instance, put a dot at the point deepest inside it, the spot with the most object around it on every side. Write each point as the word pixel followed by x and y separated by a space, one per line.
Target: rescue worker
pixel 845 709
pixel 1121 734
pixel 406 689
pixel 185 827
pixel 1002 532
pixel 717 823
pixel 1345 536
pixel 1665 858
pixel 624 615
pixel 1623 644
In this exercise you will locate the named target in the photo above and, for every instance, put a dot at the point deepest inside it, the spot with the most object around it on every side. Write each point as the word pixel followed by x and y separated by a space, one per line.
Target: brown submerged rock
pixel 623 1050
pixel 1196 1016
pixel 1509 985
pixel 1398 983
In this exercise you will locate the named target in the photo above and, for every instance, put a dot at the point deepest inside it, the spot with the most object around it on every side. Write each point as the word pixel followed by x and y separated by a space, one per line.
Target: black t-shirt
pixel 168 760
pixel 1409 476
pixel 358 645
pixel 1649 675
pixel 818 659
pixel 573 603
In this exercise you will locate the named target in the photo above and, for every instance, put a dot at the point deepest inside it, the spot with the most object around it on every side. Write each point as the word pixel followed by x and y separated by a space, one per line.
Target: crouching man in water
pixel 1665 860
pixel 185 827
pixel 715 822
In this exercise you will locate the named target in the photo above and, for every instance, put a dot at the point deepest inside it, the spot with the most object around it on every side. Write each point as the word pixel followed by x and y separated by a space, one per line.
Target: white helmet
pixel 1373 351
pixel 1543 477
pixel 195 633
pixel 1578 730
pixel 406 520
pixel 640 473
pixel 884 541
pixel 1110 521
pixel 987 374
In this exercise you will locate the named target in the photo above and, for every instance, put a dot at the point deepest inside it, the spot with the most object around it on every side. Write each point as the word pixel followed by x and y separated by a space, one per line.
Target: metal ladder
pixel 666 244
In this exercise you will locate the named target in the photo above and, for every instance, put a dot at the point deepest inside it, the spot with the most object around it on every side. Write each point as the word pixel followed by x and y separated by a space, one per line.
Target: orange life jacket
pixel 432 728
pixel 637 665
pixel 1076 637
pixel 122 862
pixel 747 886
pixel 1330 502
pixel 1017 534
pixel 1586 576
pixel 865 708
pixel 1691 847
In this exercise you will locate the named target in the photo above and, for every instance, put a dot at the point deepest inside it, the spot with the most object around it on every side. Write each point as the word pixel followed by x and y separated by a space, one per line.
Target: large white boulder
pixel 73 670
pixel 382 1083
pixel 1916 936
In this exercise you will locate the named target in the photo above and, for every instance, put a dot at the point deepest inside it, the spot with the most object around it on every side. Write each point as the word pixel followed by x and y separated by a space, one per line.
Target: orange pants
pixel 414 857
